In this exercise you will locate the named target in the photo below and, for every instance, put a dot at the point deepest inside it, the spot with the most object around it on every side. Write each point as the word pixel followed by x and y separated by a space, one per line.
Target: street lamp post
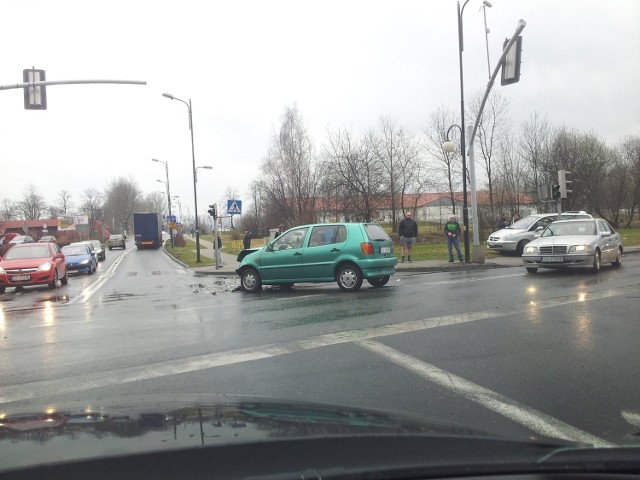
pixel 193 159
pixel 166 168
pixel 465 207
pixel 206 167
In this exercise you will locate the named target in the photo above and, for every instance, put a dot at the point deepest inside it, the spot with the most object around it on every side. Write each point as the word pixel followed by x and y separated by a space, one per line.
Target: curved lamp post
pixel 193 159
pixel 166 169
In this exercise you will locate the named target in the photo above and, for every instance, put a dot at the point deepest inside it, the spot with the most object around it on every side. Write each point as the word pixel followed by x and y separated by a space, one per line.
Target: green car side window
pixel 292 239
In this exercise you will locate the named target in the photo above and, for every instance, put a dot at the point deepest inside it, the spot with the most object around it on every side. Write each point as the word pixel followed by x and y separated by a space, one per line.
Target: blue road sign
pixel 234 207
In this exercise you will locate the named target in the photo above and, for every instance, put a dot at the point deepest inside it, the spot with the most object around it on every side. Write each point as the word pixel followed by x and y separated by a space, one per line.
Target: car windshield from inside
pixel 71 250
pixel 570 228
pixel 28 252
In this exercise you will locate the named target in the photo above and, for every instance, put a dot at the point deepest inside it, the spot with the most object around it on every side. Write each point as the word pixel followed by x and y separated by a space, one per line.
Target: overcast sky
pixel 344 63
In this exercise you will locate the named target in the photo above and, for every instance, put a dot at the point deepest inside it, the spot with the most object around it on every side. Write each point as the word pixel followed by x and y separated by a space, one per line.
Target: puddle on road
pixel 62 299
pixel 116 297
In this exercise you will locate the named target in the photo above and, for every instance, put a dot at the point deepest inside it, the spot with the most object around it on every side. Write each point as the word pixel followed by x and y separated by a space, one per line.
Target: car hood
pixel 50 434
pixel 24 262
pixel 244 253
pixel 564 240
pixel 77 258
pixel 507 231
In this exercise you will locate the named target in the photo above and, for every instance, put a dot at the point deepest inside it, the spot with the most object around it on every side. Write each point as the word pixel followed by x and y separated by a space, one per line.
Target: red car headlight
pixel 45 267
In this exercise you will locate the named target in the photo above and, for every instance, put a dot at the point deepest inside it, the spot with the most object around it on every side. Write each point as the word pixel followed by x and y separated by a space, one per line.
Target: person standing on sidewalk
pixel 408 230
pixel 452 230
pixel 219 262
pixel 246 241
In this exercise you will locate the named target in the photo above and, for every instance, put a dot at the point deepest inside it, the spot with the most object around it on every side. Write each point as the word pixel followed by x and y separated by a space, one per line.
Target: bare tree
pixel 122 199
pixel 253 216
pixel 534 150
pixel 9 209
pixel 357 171
pixel 586 157
pixel 32 205
pixel 288 176
pixel 92 206
pixel 395 150
pixel 64 202
pixel 492 129
pixel 155 202
pixel 447 166
pixel 630 155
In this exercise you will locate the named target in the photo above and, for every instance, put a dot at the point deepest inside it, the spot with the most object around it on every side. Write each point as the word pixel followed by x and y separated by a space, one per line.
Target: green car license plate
pixel 552 259
pixel 20 278
pixel 385 249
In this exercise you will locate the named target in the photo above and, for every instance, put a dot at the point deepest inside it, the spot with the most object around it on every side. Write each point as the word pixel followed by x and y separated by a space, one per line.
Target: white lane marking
pixel 531 418
pixel 217 305
pixel 92 289
pixel 631 417
pixel 76 322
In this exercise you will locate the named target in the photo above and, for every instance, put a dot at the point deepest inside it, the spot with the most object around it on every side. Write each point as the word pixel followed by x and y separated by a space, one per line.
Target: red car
pixel 32 264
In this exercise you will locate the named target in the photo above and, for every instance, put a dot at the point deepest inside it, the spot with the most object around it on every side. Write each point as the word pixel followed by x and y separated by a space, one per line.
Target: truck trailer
pixel 147 228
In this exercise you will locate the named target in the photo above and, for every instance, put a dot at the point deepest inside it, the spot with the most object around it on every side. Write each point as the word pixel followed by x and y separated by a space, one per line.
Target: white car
pixel 574 243
pixel 513 238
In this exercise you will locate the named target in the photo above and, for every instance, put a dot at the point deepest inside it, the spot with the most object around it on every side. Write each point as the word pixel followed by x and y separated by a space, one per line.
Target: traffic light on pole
pixel 35 97
pixel 555 189
pixel 212 211
pixel 564 183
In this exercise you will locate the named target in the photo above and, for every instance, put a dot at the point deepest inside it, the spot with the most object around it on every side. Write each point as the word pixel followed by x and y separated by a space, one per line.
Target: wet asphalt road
pixel 554 354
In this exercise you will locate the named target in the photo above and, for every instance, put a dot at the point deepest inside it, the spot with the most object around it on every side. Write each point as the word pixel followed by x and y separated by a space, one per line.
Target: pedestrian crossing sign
pixel 234 207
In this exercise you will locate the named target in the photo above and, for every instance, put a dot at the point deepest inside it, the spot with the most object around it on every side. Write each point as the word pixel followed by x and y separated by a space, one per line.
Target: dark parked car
pixel 32 264
pixel 116 241
pixel 96 247
pixel 346 253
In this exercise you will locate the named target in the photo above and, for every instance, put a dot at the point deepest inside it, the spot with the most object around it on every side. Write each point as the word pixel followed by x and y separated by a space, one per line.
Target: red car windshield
pixel 28 252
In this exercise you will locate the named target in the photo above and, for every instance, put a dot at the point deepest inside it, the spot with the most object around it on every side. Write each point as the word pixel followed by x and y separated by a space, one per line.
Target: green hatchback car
pixel 346 253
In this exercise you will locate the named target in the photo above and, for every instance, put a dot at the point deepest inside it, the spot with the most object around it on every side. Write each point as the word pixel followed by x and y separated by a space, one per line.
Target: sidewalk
pixel 492 261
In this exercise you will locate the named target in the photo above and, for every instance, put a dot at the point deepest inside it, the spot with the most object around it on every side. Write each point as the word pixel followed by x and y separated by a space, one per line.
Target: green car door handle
pixel 297 254
pixel 335 250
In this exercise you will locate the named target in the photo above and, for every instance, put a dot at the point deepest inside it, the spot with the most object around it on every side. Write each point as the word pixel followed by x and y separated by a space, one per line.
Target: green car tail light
pixel 367 248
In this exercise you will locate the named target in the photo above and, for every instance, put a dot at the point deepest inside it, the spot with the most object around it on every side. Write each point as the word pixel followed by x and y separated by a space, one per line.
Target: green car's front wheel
pixel 250 280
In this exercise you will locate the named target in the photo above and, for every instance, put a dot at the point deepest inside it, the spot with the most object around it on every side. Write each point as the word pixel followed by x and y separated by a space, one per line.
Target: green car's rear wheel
pixel 379 282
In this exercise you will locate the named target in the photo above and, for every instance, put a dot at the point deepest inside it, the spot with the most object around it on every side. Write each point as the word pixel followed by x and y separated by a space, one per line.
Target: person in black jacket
pixel 246 241
pixel 452 231
pixel 408 230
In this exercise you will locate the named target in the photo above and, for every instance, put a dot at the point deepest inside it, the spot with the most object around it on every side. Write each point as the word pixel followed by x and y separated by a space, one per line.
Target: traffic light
pixel 212 210
pixel 555 189
pixel 35 97
pixel 511 65
pixel 564 183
